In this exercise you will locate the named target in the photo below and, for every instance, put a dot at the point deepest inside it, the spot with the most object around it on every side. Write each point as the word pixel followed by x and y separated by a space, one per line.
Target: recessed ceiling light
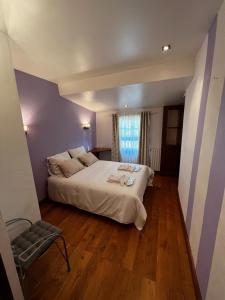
pixel 166 48
pixel 125 105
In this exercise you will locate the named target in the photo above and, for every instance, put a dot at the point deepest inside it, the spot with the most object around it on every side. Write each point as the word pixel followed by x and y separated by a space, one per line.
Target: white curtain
pixel 129 137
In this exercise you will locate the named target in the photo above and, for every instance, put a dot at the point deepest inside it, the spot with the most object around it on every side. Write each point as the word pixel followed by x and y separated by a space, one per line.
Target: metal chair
pixel 33 242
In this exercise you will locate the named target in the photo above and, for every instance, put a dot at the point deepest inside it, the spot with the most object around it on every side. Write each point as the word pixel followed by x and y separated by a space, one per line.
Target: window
pixel 129 136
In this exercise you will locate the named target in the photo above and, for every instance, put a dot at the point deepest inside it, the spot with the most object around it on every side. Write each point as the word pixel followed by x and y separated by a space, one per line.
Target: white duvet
pixel 89 190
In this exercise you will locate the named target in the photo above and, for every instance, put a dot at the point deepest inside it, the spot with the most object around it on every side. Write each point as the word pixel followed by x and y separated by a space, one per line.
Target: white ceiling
pixel 54 39
pixel 57 39
pixel 142 95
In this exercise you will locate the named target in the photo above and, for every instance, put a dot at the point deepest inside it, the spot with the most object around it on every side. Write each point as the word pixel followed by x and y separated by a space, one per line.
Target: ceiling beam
pixel 159 72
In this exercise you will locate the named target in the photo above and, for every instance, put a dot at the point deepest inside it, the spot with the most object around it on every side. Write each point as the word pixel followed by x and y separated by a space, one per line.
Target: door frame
pixel 164 132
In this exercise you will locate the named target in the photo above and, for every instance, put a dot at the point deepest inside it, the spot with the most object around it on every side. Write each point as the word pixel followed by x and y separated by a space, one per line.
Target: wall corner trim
pixel 189 253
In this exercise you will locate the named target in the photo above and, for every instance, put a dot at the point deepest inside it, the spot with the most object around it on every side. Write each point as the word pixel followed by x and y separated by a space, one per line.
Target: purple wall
pixel 213 203
pixel 54 124
pixel 216 182
pixel 201 120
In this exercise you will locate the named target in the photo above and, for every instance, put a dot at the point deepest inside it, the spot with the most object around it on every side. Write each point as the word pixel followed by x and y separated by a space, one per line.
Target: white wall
pixel 191 112
pixel 216 286
pixel 208 142
pixel 18 195
pixel 104 127
pixel 216 289
pixel 207 238
pixel 6 254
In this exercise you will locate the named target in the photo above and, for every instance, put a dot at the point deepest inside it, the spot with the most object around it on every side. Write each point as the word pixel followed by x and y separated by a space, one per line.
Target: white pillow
pixel 53 162
pixel 76 152
pixel 70 167
pixel 88 159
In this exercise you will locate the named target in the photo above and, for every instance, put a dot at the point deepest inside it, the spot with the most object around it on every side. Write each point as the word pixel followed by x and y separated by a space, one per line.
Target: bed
pixel 89 190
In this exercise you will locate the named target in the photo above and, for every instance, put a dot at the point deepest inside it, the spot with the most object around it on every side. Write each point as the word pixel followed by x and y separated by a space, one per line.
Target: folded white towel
pixel 129 168
pixel 121 179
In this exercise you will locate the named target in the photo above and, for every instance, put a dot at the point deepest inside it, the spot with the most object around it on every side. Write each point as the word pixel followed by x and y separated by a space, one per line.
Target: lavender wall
pixel 201 120
pixel 213 203
pixel 205 213
pixel 54 124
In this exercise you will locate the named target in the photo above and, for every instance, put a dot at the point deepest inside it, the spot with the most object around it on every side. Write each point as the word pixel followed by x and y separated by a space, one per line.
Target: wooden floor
pixel 114 261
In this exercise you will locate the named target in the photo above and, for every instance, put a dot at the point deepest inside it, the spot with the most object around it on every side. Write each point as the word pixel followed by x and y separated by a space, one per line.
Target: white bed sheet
pixel 89 190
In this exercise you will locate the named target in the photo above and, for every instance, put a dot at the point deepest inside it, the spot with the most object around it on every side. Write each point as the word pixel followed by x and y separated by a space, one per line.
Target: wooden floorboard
pixel 114 261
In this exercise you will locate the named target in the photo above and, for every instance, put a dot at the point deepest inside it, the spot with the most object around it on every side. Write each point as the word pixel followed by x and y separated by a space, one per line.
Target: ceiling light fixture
pixel 166 48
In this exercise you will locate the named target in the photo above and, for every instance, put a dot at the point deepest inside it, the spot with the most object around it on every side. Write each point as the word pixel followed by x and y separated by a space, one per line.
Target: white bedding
pixel 89 190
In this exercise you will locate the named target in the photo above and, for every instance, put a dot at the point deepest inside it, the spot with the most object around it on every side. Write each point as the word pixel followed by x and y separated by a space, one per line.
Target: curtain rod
pixel 134 113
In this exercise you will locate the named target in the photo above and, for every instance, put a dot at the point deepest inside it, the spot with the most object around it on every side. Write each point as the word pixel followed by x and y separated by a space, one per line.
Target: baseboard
pixel 43 200
pixel 157 172
pixel 190 257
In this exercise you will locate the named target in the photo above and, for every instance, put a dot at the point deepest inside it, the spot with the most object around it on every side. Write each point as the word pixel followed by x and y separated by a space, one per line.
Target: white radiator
pixel 155 158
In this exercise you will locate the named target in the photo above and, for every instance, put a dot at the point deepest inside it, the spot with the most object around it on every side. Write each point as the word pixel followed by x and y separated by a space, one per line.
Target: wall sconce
pixel 25 128
pixel 86 125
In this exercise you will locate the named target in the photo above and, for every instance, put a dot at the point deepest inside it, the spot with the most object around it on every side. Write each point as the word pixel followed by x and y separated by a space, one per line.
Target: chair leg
pixel 21 274
pixel 65 256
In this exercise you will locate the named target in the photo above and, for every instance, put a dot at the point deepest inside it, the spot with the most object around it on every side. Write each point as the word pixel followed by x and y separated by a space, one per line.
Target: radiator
pixel 155 158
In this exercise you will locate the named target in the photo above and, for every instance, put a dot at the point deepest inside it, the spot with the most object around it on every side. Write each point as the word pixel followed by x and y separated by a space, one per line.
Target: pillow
pixel 88 159
pixel 70 167
pixel 53 161
pixel 76 152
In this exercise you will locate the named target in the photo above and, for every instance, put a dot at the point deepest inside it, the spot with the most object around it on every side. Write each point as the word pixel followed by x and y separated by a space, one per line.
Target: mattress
pixel 89 190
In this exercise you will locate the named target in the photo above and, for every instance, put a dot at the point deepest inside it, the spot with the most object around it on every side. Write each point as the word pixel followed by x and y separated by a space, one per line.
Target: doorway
pixel 171 140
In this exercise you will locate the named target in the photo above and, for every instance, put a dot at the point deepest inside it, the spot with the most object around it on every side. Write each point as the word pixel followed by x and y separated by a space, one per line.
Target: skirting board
pixel 190 257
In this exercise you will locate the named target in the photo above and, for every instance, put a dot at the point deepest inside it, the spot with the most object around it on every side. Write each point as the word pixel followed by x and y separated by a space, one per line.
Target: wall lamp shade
pixel 86 125
pixel 25 128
